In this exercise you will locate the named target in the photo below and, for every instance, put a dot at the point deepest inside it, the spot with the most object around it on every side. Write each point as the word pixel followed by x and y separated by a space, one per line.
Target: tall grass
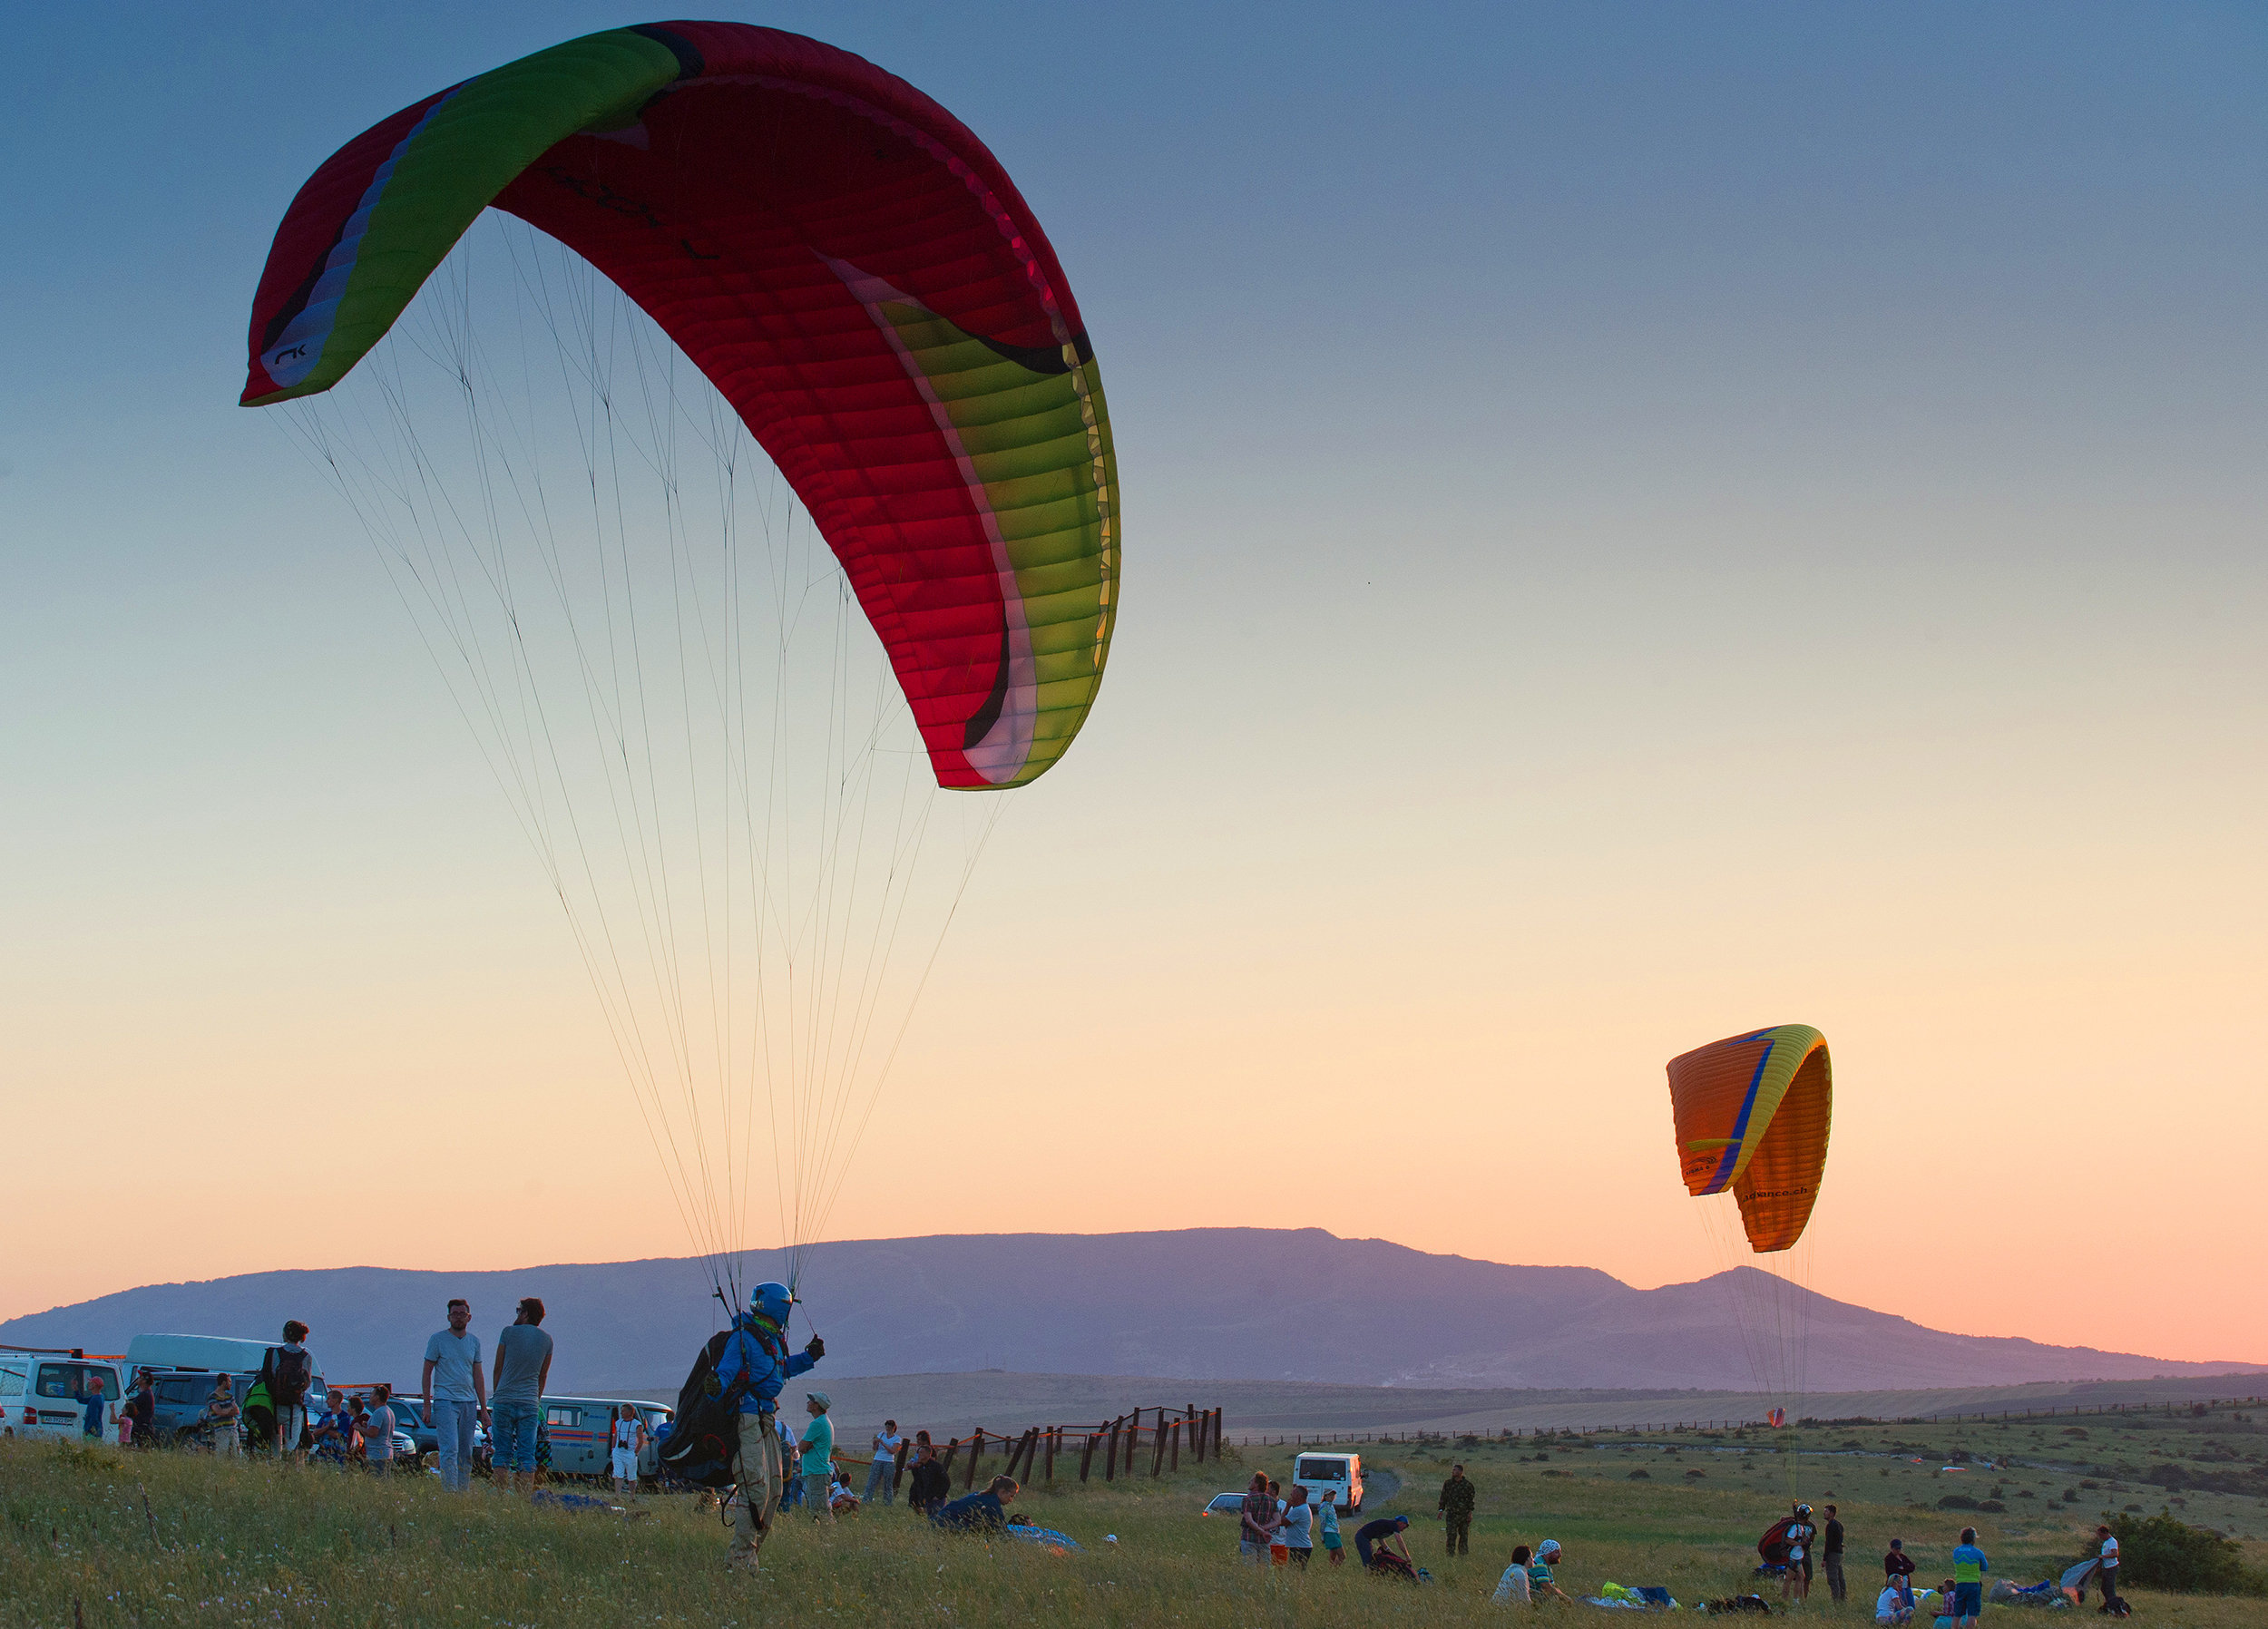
pixel 222 1542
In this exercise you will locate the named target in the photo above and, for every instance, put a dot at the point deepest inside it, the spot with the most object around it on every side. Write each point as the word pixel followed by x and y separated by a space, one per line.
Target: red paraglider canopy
pixel 854 272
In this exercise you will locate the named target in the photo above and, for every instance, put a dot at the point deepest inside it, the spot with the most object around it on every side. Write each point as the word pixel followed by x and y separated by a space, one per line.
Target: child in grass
pixel 1328 1529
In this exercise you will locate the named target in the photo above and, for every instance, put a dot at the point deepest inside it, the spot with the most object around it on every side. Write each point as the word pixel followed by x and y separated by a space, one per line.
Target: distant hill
pixel 1244 1303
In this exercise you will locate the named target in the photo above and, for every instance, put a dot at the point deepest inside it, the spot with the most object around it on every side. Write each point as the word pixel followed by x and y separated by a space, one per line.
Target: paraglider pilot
pixel 754 1366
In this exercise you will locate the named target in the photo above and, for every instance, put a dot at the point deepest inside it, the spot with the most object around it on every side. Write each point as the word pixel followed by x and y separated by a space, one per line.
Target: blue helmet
pixel 773 1300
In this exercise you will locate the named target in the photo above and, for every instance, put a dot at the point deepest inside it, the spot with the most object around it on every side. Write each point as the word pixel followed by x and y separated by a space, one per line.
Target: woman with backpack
pixel 287 1372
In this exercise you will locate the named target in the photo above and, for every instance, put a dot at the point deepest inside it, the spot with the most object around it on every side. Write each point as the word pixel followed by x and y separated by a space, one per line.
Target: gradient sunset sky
pixel 1643 521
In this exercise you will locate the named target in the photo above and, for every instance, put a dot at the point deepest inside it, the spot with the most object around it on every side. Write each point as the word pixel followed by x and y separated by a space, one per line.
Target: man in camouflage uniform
pixel 1456 1508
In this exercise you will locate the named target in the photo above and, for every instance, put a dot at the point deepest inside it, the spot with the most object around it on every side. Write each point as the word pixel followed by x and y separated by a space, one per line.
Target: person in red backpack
pixel 288 1373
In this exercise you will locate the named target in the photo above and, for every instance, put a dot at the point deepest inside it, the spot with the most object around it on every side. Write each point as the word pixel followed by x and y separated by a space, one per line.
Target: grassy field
pixel 954 1404
pixel 230 1543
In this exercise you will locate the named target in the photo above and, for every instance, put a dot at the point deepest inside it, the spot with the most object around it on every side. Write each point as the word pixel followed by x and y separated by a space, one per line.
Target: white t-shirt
pixel 886 1445
pixel 2110 1551
pixel 1798 1537
pixel 1297 1531
pixel 1513 1586
pixel 626 1434
pixel 1888 1605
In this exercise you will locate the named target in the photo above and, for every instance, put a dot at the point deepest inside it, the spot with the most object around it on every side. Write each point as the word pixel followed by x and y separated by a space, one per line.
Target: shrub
pixel 1991 1507
pixel 1957 1501
pixel 2163 1552
pixel 1637 1476
pixel 1696 1475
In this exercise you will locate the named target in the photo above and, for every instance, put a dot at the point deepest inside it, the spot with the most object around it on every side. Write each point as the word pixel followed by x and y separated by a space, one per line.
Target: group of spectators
pixel 1960 1599
pixel 1281 1529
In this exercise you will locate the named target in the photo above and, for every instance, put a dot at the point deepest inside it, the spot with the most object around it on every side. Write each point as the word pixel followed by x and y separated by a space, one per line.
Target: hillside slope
pixel 1205 1302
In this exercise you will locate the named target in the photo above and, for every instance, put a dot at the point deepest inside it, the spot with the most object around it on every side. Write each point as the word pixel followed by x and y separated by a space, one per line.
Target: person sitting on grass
pixel 1898 1572
pixel 1893 1607
pixel 1945 1618
pixel 1382 1550
pixel 983 1512
pixel 1540 1584
pixel 929 1487
pixel 1514 1588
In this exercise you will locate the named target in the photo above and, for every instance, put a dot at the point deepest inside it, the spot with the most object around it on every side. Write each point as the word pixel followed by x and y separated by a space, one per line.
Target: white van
pixel 44 1393
pixel 1334 1477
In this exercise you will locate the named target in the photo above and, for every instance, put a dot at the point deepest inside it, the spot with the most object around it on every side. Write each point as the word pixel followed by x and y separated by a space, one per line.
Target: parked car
pixel 1224 1504
pixel 182 1356
pixel 183 1397
pixel 44 1393
pixel 1334 1477
pixel 582 1433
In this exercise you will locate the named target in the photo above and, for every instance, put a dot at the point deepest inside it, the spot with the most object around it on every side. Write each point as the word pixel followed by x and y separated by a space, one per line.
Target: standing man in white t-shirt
pixel 884 1472
pixel 456 1395
pixel 2107 1576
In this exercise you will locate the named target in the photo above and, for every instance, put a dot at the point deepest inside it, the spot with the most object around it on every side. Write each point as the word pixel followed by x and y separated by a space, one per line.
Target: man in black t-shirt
pixel 1831 1554
pixel 1380 1545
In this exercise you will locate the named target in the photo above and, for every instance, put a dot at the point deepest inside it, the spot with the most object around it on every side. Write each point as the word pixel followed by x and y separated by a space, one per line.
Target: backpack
pixel 698 1448
pixel 287 1374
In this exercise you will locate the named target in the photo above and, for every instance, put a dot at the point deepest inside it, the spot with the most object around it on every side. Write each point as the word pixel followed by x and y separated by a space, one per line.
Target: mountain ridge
pixel 1252 1304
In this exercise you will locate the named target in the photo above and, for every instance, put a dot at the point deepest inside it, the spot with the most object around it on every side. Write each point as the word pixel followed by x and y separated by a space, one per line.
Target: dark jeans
pixel 1834 1574
pixel 1460 1530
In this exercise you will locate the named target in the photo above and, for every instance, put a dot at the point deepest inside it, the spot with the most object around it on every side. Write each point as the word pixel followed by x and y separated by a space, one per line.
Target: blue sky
pixel 1643 521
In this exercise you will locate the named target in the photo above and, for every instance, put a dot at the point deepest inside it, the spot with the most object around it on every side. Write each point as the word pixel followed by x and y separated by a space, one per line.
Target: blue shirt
pixel 818 1445
pixel 94 1415
pixel 749 1355
pixel 1970 1564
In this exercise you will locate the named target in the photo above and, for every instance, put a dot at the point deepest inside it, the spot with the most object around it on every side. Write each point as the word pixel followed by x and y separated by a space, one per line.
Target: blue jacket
pixel 758 1354
pixel 971 1513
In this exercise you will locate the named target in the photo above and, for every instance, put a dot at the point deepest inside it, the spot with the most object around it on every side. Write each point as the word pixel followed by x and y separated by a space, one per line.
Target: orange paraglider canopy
pixel 1752 1114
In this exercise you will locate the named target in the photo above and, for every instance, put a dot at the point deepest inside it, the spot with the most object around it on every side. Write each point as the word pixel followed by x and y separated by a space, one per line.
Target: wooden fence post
pixel 1086 1456
pixel 898 1470
pixel 1176 1443
pixel 1052 1432
pixel 976 1452
pixel 952 1448
pixel 1217 1431
pixel 1157 1453
pixel 1110 1455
